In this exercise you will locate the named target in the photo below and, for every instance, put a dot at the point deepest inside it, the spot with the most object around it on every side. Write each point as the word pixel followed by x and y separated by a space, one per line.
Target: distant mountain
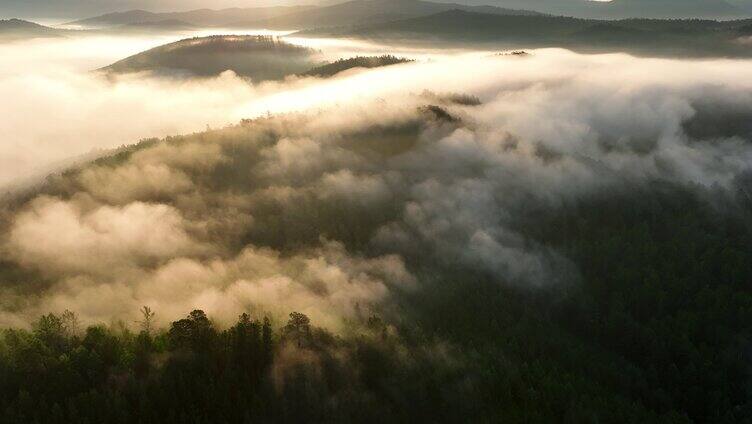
pixel 620 9
pixel 714 9
pixel 256 57
pixel 76 9
pixel 13 29
pixel 200 17
pixel 358 12
pixel 638 36
pixel 297 17
pixel 166 25
pixel 372 11
pixel 579 8
pixel 119 18
pixel 460 25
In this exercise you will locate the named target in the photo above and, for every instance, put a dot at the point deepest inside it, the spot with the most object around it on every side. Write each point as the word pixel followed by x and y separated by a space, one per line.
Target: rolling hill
pixel 256 57
pixel 638 36
pixel 200 17
pixel 260 58
pixel 166 25
pixel 15 29
pixel 621 9
pixel 714 9
pixel 373 11
pixel 616 9
pixel 297 17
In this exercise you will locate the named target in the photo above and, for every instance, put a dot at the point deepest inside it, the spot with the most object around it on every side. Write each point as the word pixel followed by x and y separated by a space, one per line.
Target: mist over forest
pixel 376 211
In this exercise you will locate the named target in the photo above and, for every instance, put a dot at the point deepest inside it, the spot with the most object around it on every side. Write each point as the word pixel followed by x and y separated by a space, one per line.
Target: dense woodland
pixel 658 332
pixel 654 325
pixel 565 246
pixel 258 57
pixel 646 37
pixel 331 69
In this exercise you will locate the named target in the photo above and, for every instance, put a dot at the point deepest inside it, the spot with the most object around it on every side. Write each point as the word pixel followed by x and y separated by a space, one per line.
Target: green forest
pixel 376 211
pixel 426 258
pixel 340 65
pixel 643 37
pixel 658 331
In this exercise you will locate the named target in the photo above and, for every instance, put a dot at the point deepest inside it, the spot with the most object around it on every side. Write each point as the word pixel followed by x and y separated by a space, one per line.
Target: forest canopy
pixel 473 236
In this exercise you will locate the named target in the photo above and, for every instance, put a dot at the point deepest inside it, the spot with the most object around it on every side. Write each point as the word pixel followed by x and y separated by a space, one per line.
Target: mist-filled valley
pixel 376 211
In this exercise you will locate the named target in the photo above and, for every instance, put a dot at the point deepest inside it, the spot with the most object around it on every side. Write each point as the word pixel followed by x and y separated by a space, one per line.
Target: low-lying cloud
pixel 60 110
pixel 342 203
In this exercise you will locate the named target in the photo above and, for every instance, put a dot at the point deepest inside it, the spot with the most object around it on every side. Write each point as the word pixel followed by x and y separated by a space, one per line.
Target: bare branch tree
pixel 148 318
pixel 70 323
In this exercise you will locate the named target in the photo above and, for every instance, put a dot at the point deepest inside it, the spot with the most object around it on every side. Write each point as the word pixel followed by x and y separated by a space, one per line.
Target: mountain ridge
pixel 653 37
pixel 617 9
pixel 14 28
pixel 368 11
pixel 198 17
pixel 295 17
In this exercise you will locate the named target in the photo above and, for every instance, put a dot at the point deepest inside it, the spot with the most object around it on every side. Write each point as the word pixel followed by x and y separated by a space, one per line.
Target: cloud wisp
pixel 336 202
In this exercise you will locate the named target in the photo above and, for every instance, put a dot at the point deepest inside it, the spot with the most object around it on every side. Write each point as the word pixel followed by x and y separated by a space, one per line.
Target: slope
pixel 373 11
pixel 15 29
pixel 257 57
pixel 199 17
pixel 637 36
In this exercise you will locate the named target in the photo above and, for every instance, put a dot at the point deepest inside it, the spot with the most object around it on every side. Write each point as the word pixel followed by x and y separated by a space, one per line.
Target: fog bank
pixel 330 204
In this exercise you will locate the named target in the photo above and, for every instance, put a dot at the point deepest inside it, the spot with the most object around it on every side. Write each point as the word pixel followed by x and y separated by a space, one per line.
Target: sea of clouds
pixel 333 200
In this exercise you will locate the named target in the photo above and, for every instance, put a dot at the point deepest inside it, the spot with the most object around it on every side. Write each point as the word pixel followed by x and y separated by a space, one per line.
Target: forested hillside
pixel 674 38
pixel 371 293
pixel 17 29
pixel 258 57
pixel 297 17
pixel 376 211
pixel 341 65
